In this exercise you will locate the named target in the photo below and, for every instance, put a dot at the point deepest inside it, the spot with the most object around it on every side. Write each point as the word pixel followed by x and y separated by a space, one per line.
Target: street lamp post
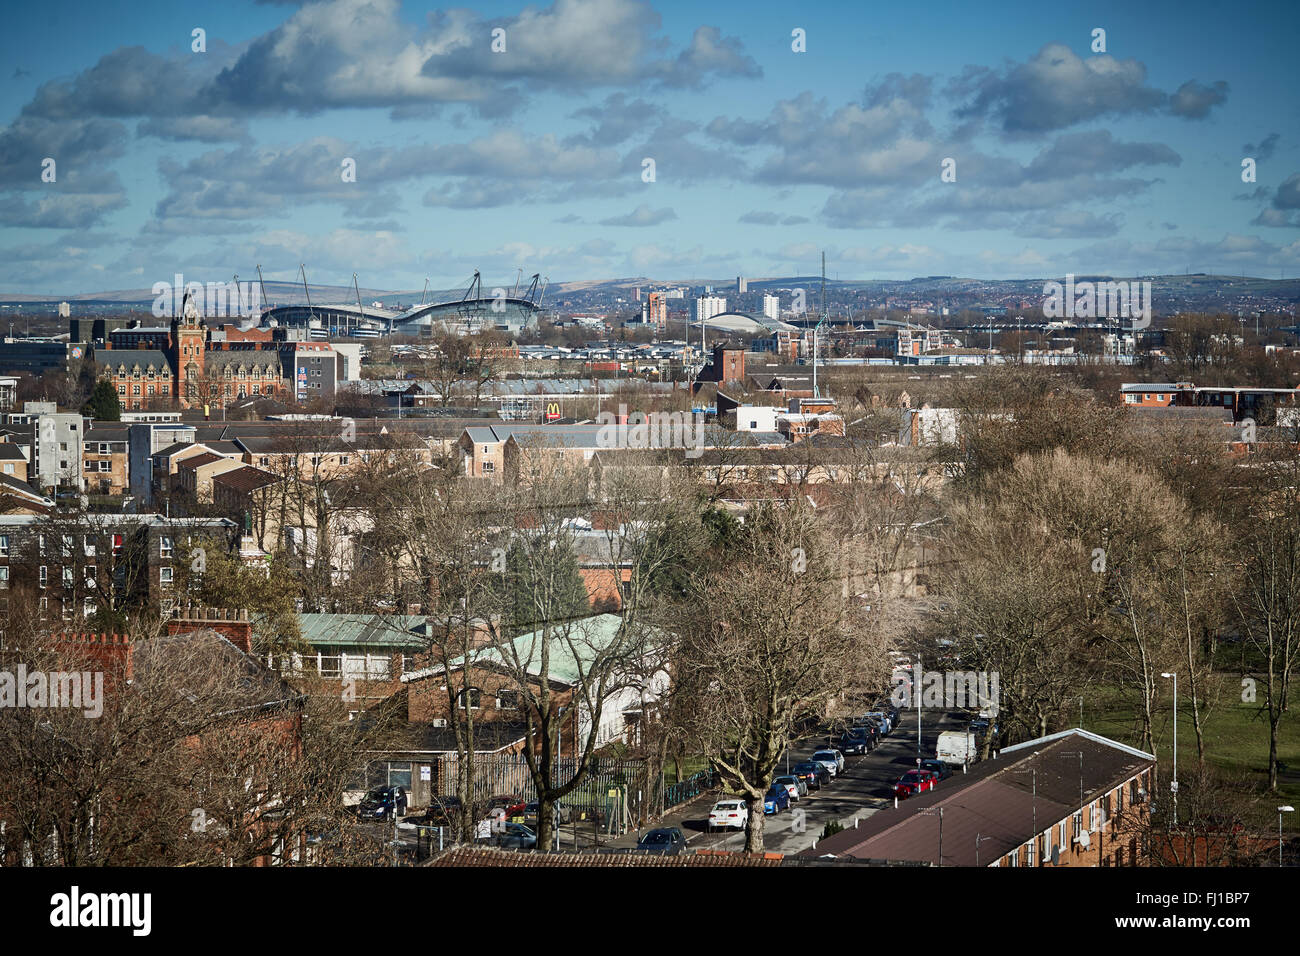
pixel 1280 811
pixel 1173 784
pixel 916 699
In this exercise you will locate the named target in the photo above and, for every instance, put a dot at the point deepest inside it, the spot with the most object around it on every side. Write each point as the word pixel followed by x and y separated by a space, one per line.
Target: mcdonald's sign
pixel 552 411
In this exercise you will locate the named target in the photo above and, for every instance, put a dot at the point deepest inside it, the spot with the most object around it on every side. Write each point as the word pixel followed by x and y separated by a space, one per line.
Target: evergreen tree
pixel 103 405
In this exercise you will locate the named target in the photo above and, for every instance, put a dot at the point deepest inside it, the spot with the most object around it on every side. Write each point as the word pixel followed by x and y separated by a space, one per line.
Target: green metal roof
pixel 571 643
pixel 353 630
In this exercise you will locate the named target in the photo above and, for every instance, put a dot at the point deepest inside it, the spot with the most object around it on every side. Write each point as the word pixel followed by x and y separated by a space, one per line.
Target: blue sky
pixel 1067 160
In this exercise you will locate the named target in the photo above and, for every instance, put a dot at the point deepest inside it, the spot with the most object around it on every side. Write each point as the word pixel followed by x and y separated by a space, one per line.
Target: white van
pixel 957 747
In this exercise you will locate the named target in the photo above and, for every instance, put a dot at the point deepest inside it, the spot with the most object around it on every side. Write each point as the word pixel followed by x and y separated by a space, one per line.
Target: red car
pixel 914 782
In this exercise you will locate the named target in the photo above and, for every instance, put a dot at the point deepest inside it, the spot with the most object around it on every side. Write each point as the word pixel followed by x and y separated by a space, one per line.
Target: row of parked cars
pixel 862 735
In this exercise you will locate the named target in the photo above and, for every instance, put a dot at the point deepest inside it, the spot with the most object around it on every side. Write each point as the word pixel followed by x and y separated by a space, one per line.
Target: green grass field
pixel 1236 737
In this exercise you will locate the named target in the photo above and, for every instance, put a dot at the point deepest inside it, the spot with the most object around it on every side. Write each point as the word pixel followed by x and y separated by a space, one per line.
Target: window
pixel 91 575
pixel 104 448
pixel 4 545
pixel 468 699
pixel 67 545
pixel 165 547
pixel 343 459
pixel 488 467
pixel 67 577
pixel 105 466
pixel 165 577
pixel 4 576
pixel 507 699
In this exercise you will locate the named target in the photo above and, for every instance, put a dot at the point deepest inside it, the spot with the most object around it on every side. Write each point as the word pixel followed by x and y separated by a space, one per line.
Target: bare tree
pixel 765 636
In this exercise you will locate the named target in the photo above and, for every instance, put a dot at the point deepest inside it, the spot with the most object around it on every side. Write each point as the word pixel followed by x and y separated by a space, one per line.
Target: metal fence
pixel 508 774
pixel 691 787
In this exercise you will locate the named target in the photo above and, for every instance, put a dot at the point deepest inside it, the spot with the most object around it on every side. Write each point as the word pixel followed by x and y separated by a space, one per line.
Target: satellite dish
pixel 1056 855
pixel 1084 839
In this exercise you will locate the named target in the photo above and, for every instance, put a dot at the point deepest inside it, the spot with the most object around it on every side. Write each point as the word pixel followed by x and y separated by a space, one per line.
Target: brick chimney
pixel 110 653
pixel 231 624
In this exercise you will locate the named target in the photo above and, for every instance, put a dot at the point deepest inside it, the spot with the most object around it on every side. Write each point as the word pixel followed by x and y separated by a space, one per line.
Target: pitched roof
pixel 353 630
pixel 567 656
pixel 197 461
pixel 246 479
pixel 129 358
pixel 997 802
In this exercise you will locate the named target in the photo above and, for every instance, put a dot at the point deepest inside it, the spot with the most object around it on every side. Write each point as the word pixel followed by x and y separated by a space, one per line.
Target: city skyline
pixel 168 159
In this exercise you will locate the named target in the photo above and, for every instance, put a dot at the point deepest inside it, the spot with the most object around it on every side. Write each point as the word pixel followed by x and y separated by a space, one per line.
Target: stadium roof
pixel 746 323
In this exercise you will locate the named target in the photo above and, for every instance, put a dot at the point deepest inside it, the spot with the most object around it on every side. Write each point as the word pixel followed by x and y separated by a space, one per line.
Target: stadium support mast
pixel 311 315
pixel 262 285
pixel 360 308
pixel 818 327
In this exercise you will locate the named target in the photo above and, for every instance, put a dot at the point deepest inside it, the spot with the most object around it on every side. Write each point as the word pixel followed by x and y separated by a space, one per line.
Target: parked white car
pixel 832 760
pixel 729 813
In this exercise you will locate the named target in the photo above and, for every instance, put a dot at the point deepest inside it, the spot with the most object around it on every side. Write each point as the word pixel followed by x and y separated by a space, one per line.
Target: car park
pixel 914 782
pixel 776 799
pixel 563 814
pixel 670 841
pixel 730 813
pixel 441 812
pixel 511 836
pixel 380 803
pixel 793 784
